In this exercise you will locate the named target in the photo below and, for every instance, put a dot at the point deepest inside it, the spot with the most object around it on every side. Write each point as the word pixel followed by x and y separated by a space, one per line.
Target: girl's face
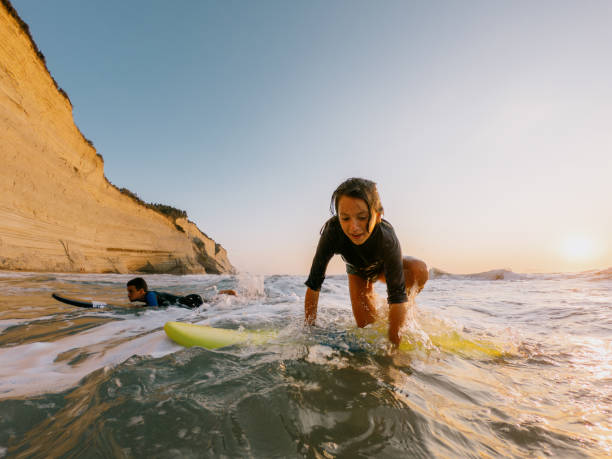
pixel 353 215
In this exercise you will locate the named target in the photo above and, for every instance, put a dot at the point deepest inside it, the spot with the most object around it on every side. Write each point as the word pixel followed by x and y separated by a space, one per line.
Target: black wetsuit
pixel 153 298
pixel 380 253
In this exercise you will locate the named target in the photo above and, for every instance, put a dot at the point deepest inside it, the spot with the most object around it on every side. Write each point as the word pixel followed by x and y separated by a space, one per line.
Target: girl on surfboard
pixel 371 251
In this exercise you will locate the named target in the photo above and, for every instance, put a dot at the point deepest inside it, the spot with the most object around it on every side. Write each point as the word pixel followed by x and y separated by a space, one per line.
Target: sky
pixel 486 125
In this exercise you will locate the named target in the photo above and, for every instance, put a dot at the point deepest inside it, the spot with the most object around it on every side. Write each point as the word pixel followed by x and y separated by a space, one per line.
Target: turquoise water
pixel 91 383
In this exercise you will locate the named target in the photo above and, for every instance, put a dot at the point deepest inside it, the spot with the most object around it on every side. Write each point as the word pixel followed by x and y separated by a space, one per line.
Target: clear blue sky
pixel 487 125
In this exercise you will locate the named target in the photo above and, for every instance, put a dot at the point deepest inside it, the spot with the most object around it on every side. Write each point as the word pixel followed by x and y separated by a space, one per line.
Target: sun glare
pixel 578 248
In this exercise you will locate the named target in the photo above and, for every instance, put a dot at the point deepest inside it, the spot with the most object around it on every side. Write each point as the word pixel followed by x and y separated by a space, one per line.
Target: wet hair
pixel 139 283
pixel 357 188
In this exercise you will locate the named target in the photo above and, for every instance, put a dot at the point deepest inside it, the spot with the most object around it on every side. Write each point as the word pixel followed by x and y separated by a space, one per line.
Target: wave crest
pixel 494 274
pixel 508 274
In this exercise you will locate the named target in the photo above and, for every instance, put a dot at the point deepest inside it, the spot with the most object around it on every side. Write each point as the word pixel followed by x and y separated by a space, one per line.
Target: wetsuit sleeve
pixel 394 269
pixel 151 299
pixel 325 250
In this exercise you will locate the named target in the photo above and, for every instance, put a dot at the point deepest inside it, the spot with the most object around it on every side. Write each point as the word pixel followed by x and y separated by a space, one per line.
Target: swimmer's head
pixel 137 289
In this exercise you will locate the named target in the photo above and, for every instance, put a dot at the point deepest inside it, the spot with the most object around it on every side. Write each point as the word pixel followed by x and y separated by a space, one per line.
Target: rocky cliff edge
pixel 58 212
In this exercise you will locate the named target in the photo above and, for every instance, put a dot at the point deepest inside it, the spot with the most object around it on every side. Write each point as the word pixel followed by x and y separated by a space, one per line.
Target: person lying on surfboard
pixel 138 291
pixel 371 251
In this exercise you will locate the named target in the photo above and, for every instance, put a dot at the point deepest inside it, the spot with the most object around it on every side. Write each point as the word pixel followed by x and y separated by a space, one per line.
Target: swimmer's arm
pixel 397 317
pixel 311 302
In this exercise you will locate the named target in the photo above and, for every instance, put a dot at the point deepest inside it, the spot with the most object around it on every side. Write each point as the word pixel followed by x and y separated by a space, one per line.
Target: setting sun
pixel 578 248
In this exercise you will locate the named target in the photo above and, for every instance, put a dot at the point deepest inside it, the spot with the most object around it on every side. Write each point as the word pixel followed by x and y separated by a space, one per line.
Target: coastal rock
pixel 58 212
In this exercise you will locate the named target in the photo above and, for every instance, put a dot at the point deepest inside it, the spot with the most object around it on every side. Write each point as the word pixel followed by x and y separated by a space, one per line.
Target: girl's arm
pixel 397 317
pixel 311 302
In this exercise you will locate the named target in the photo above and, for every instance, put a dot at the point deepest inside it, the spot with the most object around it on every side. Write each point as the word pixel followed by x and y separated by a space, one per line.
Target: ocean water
pixel 95 383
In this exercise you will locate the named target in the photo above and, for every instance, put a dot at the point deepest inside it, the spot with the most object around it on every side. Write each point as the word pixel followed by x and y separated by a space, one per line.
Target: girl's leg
pixel 362 300
pixel 415 272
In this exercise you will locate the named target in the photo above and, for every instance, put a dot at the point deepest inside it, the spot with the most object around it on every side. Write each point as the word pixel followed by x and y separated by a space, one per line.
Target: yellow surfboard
pixel 444 340
pixel 189 335
pixel 454 343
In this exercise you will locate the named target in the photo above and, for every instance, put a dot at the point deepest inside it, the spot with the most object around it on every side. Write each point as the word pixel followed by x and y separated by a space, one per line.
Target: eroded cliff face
pixel 57 210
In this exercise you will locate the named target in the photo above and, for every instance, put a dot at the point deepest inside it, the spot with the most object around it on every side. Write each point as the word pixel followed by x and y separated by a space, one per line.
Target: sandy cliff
pixel 57 210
